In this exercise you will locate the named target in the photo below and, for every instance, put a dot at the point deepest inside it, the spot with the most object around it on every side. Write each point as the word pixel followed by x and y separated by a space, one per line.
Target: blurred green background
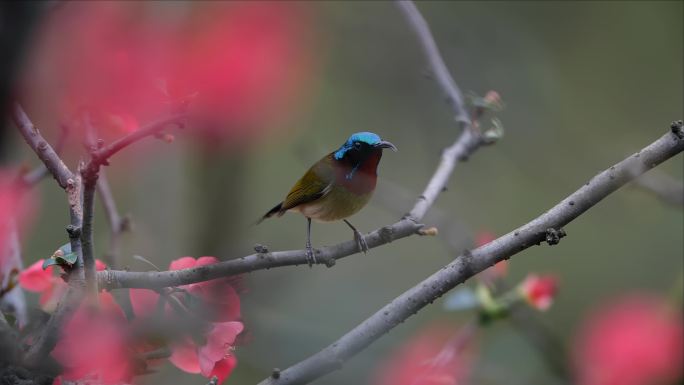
pixel 585 84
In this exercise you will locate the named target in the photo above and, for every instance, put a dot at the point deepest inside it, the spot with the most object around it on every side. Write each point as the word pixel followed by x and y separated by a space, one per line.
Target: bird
pixel 336 187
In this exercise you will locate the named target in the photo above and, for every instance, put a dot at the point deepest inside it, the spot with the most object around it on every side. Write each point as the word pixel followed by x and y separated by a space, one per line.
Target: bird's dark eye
pixel 357 145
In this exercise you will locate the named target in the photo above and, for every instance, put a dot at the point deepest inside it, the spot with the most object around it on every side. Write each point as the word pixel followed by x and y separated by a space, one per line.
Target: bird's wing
pixel 315 184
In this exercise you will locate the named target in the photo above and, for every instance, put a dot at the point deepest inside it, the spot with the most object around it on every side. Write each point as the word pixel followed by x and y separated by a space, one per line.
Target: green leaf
pixel 66 248
pixel 67 259
pixel 62 256
pixel 49 262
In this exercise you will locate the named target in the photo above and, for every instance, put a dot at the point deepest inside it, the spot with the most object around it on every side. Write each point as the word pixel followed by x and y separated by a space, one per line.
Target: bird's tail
pixel 277 210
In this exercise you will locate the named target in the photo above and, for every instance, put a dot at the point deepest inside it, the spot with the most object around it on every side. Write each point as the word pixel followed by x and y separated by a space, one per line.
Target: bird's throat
pixel 359 177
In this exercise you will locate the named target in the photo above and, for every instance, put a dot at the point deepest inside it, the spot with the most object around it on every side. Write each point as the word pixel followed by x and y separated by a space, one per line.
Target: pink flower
pixel 635 340
pixel 244 62
pixel 215 358
pixel 50 286
pixel 539 290
pixel 222 303
pixel 17 208
pixel 219 296
pixel 435 356
pixel 93 344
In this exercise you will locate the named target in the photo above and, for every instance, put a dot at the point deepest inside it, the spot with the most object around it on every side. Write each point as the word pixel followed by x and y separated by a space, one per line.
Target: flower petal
pixel 184 356
pixel 182 263
pixel 35 279
pixel 143 301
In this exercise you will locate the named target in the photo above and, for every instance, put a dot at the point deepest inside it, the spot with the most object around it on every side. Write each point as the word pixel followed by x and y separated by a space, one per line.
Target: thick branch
pixel 468 264
pixel 89 185
pixel 34 176
pixel 41 147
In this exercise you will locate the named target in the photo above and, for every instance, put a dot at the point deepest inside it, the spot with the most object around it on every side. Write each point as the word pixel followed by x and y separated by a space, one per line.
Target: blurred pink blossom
pixel 93 344
pixel 634 340
pixel 437 355
pixel 220 298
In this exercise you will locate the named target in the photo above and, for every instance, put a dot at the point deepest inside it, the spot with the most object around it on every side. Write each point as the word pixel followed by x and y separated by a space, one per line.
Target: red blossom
pixel 245 63
pixel 539 290
pixel 17 208
pixel 50 286
pixel 435 356
pixel 93 344
pixel 634 340
pixel 221 300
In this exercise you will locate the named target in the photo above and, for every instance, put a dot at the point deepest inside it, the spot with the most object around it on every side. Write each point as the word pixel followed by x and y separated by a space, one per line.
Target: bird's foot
pixel 310 255
pixel 360 241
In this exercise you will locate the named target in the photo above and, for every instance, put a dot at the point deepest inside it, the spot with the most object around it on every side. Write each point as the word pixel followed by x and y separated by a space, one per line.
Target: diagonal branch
pixel 546 227
pixel 41 147
pixel 442 74
pixel 101 155
pixel 34 176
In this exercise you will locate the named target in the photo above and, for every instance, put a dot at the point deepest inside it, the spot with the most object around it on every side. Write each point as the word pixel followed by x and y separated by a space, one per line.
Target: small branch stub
pixel 261 249
pixel 554 236
pixel 676 127
pixel 73 231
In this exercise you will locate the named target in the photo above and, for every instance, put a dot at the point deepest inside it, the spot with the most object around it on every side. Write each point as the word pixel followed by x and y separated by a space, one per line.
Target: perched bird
pixel 337 186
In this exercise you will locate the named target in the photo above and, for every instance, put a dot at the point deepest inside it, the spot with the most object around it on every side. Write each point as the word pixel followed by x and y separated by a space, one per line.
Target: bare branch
pixel 101 155
pixel 90 178
pixel 442 74
pixel 117 224
pixel 470 263
pixel 34 176
pixel 41 147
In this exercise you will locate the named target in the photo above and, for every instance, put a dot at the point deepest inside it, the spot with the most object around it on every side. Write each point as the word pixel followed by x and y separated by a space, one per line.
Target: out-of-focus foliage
pixel 585 84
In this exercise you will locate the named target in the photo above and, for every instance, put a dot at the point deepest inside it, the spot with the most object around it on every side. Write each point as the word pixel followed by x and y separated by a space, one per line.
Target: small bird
pixel 337 186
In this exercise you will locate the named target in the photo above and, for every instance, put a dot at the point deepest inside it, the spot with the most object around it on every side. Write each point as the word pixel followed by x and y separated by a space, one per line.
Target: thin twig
pixel 442 74
pixel 468 264
pixel 117 224
pixel 101 155
pixel 665 187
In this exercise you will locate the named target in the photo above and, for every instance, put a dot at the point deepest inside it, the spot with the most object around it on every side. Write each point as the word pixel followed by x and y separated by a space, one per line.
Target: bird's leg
pixel 360 240
pixel 310 256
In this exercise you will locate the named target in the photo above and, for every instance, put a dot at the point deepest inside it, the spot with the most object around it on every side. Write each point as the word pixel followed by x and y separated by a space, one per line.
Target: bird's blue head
pixel 362 142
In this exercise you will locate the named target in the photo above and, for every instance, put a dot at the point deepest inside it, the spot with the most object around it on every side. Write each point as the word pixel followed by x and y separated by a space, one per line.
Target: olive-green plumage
pixel 337 186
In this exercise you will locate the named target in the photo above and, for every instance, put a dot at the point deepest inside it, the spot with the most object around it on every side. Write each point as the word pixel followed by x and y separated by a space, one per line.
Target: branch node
pixel 554 236
pixel 261 249
pixel 73 231
pixel 330 261
pixel 387 234
pixel 676 127
pixel 428 231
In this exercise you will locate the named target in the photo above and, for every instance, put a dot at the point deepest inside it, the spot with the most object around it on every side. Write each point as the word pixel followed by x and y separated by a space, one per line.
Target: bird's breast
pixel 338 204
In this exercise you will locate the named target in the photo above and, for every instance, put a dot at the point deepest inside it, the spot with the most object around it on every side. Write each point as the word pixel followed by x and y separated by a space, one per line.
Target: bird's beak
pixel 386 144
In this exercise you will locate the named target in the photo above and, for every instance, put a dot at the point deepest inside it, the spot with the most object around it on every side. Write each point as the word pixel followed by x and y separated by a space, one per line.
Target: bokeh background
pixel 585 84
